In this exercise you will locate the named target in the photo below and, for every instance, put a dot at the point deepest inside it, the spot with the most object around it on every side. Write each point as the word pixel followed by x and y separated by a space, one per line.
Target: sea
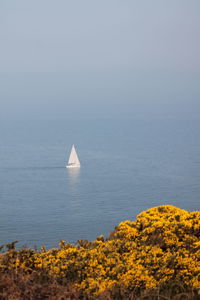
pixel 127 166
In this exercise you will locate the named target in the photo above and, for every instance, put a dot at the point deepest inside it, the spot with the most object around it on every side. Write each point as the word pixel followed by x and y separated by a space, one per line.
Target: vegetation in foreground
pixel 155 257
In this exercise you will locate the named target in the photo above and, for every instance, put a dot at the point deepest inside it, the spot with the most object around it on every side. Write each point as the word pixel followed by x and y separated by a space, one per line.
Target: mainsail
pixel 73 159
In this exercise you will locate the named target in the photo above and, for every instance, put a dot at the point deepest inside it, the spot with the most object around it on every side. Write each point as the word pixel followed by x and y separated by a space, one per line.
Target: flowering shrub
pixel 158 251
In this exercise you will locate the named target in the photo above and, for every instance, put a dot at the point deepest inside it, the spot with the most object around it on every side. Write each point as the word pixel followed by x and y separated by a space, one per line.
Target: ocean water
pixel 127 166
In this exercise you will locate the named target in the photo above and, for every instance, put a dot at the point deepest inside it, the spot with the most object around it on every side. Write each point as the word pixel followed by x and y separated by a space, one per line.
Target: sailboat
pixel 73 161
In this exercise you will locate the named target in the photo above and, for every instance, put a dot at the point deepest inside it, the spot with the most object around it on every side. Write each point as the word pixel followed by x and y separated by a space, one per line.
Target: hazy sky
pixel 107 58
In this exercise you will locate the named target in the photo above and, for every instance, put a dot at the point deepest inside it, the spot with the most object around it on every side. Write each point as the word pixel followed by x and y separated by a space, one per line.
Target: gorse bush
pixel 158 254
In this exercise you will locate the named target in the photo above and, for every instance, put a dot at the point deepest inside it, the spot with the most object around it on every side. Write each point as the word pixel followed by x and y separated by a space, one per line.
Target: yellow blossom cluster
pixel 159 248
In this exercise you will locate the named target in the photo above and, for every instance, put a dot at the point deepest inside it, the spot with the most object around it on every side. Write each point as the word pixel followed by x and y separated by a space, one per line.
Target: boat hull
pixel 71 166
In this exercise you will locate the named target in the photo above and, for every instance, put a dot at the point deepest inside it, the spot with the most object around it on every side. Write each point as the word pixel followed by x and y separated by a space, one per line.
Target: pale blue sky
pixel 107 58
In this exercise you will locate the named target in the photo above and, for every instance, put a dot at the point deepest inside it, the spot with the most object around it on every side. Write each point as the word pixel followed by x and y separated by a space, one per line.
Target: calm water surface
pixel 126 166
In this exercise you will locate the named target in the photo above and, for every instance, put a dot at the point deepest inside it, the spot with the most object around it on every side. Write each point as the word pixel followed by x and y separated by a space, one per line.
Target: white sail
pixel 73 159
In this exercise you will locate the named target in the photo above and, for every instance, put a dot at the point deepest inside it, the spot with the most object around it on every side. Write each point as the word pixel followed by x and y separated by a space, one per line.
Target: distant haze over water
pixel 99 59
